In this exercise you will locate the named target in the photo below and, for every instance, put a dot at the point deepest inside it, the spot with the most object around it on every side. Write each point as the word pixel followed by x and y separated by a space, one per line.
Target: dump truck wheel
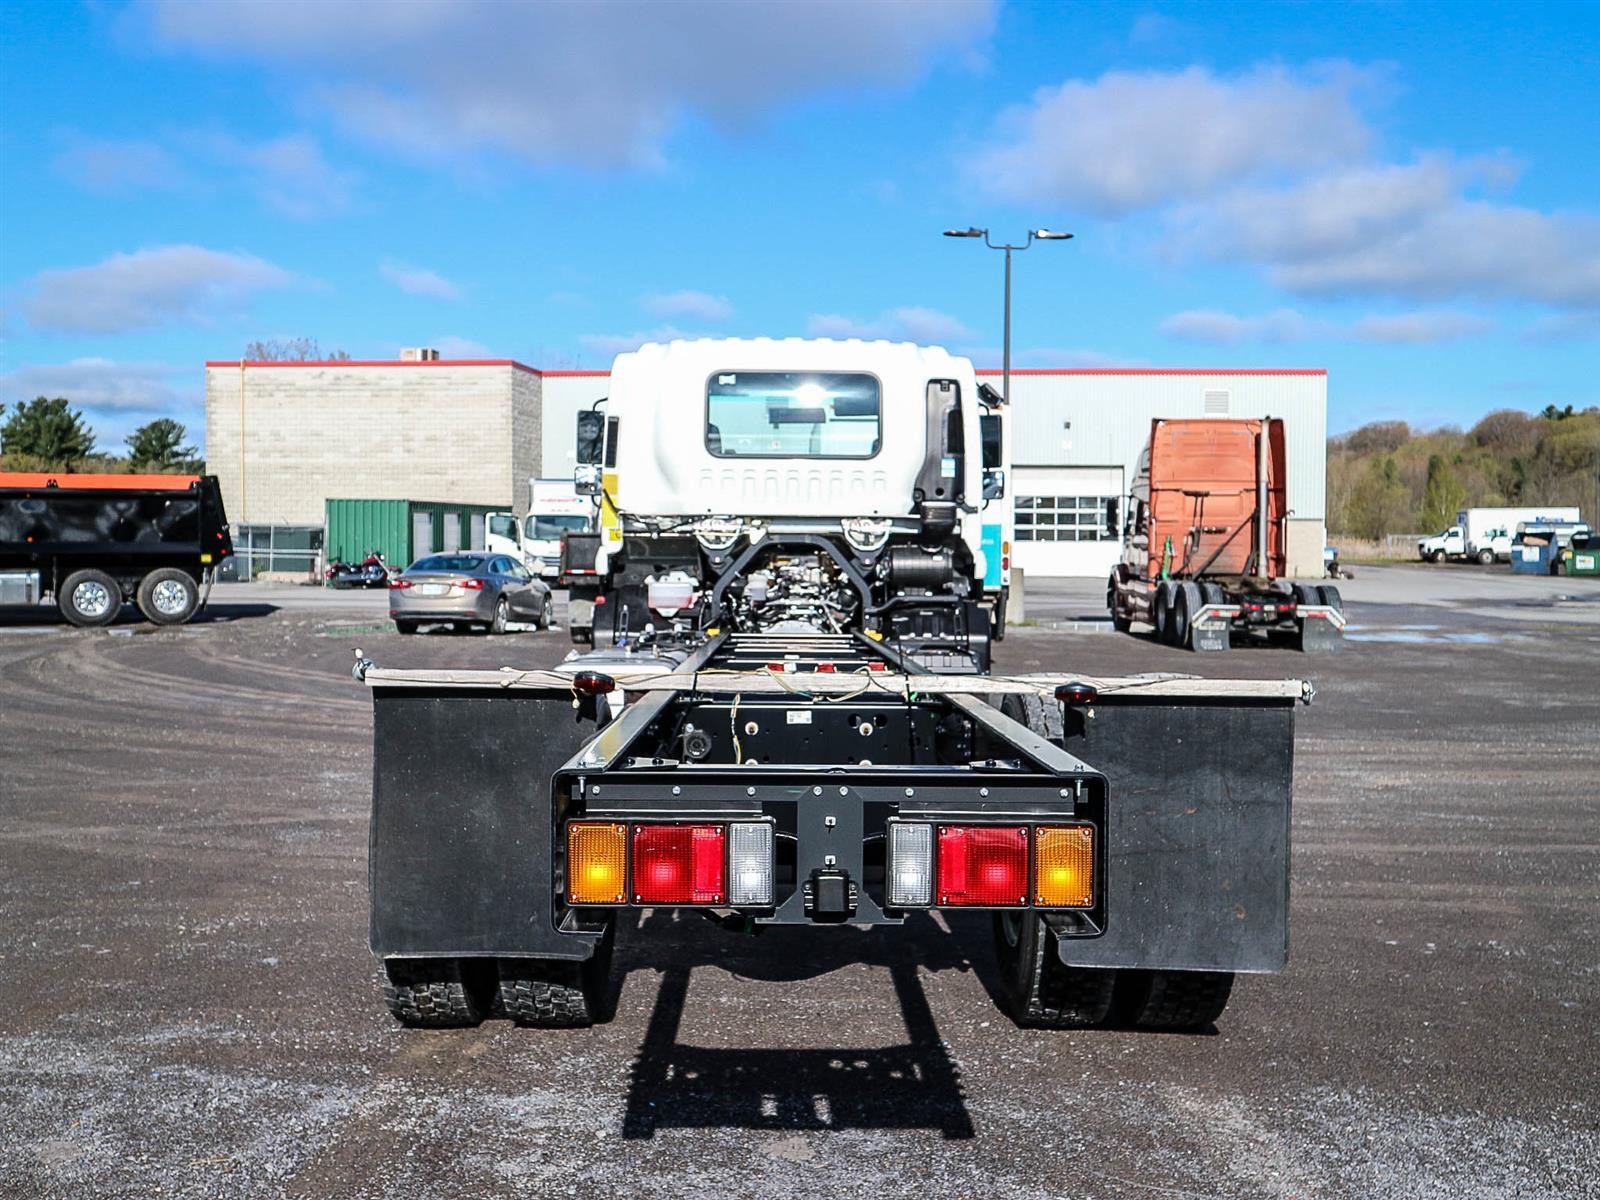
pixel 1040 990
pixel 430 993
pixel 556 993
pixel 1172 1000
pixel 168 596
pixel 90 598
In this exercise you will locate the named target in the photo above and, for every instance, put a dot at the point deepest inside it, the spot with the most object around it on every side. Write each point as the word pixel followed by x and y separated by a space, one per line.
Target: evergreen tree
pixel 49 431
pixel 159 447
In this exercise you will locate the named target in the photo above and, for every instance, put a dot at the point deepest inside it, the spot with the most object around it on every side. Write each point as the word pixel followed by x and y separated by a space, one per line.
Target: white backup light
pixel 750 864
pixel 910 866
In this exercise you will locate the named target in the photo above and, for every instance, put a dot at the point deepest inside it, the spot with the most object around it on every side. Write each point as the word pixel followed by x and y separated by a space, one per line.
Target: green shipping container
pixel 402 530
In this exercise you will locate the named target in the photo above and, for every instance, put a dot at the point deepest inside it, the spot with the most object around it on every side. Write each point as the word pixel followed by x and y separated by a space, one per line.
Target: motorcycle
pixel 370 572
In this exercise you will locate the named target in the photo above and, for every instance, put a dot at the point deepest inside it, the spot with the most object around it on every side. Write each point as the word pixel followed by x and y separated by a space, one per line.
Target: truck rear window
pixel 778 414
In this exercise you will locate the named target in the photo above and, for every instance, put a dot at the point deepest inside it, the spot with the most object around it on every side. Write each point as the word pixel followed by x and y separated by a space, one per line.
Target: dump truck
pixel 842 758
pixel 96 542
pixel 1203 546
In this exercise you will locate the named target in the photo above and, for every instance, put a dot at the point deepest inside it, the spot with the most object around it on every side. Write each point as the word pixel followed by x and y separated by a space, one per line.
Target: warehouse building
pixel 284 438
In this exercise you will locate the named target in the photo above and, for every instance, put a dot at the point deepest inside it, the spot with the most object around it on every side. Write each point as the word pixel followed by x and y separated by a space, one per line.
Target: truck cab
pixel 838 486
pixel 1447 543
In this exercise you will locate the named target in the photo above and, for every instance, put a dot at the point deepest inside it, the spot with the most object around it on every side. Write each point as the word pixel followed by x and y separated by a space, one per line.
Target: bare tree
pixel 300 349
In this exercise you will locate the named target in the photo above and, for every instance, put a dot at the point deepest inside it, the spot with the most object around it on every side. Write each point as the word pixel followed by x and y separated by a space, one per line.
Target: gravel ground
pixel 187 1006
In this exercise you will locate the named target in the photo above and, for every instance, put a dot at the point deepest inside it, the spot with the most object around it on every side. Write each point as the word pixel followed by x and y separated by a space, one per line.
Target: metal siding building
pixel 476 431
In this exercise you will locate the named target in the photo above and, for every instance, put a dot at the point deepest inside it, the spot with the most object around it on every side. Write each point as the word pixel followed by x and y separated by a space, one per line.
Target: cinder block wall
pixel 282 438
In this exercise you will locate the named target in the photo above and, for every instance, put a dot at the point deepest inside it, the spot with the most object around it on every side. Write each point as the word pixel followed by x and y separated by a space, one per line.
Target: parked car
pixel 467 589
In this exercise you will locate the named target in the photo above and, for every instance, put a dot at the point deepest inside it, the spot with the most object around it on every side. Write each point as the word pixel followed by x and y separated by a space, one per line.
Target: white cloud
pixel 701 306
pixel 609 344
pixel 1228 329
pixel 1133 140
pixel 1410 231
pixel 99 385
pixel 289 174
pixel 599 82
pixel 910 324
pixel 148 288
pixel 418 281
pixel 1565 327
pixel 1287 325
pixel 450 346
pixel 116 166
pixel 1421 328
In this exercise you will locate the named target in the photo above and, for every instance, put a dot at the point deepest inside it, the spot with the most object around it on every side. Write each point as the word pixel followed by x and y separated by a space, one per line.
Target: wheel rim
pixel 91 598
pixel 501 611
pixel 169 597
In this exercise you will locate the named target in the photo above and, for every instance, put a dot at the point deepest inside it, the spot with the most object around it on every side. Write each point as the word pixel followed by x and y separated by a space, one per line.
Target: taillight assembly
pixel 400 585
pixel 679 864
pixel 982 865
pixel 990 866
pixel 470 585
pixel 695 864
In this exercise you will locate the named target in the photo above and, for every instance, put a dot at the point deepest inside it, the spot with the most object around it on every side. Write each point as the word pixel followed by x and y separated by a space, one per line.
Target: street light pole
pixel 1040 235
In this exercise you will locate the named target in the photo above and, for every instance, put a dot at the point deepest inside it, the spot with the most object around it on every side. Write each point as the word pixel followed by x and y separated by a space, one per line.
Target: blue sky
pixel 1405 194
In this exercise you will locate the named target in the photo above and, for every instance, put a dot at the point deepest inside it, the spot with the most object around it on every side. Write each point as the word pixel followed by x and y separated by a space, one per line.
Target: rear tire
pixel 1187 602
pixel 1163 613
pixel 1172 1000
pixel 168 596
pixel 1040 990
pixel 557 994
pixel 1120 622
pixel 1330 597
pixel 502 616
pixel 90 598
pixel 1486 558
pixel 544 614
pixel 428 993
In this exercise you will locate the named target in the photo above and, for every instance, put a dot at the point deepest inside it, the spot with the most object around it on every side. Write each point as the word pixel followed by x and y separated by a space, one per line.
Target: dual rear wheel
pixel 166 596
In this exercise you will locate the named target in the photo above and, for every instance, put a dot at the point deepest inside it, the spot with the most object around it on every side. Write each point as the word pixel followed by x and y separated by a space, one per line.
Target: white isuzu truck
pixel 1485 534
pixel 555 509
pixel 761 485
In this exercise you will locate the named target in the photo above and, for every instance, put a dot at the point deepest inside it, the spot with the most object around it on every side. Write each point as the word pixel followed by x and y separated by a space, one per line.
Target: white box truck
pixel 554 510
pixel 1485 534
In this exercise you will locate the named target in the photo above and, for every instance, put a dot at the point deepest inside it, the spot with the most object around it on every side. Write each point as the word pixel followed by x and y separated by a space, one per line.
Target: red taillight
pixel 470 585
pixel 826 669
pixel 877 666
pixel 400 585
pixel 678 864
pixel 983 865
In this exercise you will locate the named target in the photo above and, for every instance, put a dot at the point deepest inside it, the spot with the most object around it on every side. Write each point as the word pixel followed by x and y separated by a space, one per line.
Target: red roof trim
pixel 380 362
pixel 1159 371
pixel 575 374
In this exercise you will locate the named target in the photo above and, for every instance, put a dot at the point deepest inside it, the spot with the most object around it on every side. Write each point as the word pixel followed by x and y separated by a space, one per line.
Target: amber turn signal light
pixel 597 863
pixel 1063 866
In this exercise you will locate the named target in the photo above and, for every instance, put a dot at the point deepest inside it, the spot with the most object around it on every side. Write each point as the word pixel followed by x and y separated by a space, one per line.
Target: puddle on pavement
pixel 1422 635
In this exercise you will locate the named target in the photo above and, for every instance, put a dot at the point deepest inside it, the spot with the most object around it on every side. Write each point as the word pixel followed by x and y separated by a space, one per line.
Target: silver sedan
pixel 467 589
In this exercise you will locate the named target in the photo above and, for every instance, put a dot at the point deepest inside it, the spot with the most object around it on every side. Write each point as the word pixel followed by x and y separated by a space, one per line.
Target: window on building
pixel 1063 519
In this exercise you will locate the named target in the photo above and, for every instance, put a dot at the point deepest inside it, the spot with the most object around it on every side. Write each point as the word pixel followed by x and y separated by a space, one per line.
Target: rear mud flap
pixel 1197 833
pixel 1208 637
pixel 461 848
pixel 1321 630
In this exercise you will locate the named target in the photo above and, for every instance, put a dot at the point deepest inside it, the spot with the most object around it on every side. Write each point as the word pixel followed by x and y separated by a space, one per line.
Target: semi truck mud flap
pixel 460 846
pixel 1197 832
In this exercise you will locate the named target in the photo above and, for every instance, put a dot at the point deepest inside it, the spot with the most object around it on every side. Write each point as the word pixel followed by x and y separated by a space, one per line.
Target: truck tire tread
pixel 85 620
pixel 1041 991
pixel 429 994
pixel 1172 1000
pixel 145 596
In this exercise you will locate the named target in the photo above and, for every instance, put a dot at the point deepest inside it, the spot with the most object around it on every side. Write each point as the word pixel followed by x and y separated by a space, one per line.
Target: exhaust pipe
pixel 1261 497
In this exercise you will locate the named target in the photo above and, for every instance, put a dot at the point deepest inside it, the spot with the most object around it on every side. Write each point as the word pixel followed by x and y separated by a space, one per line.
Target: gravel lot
pixel 188 1008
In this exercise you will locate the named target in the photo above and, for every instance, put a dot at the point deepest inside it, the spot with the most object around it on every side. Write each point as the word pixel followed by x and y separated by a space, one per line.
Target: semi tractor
pixel 793 724
pixel 96 542
pixel 1204 545
pixel 1485 535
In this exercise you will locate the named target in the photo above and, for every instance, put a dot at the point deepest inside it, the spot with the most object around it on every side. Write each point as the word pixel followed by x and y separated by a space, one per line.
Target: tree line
pixel 1387 478
pixel 48 434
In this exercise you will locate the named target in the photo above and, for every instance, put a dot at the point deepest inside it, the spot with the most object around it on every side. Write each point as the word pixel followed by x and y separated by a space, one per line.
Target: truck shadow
pixel 914 1085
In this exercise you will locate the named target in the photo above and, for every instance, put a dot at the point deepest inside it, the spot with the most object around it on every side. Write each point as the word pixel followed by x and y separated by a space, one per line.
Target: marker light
pixel 593 683
pixel 910 865
pixel 983 865
pixel 1063 866
pixel 678 864
pixel 1077 692
pixel 750 864
pixel 597 863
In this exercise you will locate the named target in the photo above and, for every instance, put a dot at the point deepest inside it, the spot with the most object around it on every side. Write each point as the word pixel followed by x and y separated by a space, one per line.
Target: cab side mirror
pixel 586 479
pixel 994 483
pixel 1113 517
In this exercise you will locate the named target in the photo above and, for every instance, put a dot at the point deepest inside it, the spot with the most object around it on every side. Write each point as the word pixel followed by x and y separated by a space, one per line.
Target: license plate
pixel 432 589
